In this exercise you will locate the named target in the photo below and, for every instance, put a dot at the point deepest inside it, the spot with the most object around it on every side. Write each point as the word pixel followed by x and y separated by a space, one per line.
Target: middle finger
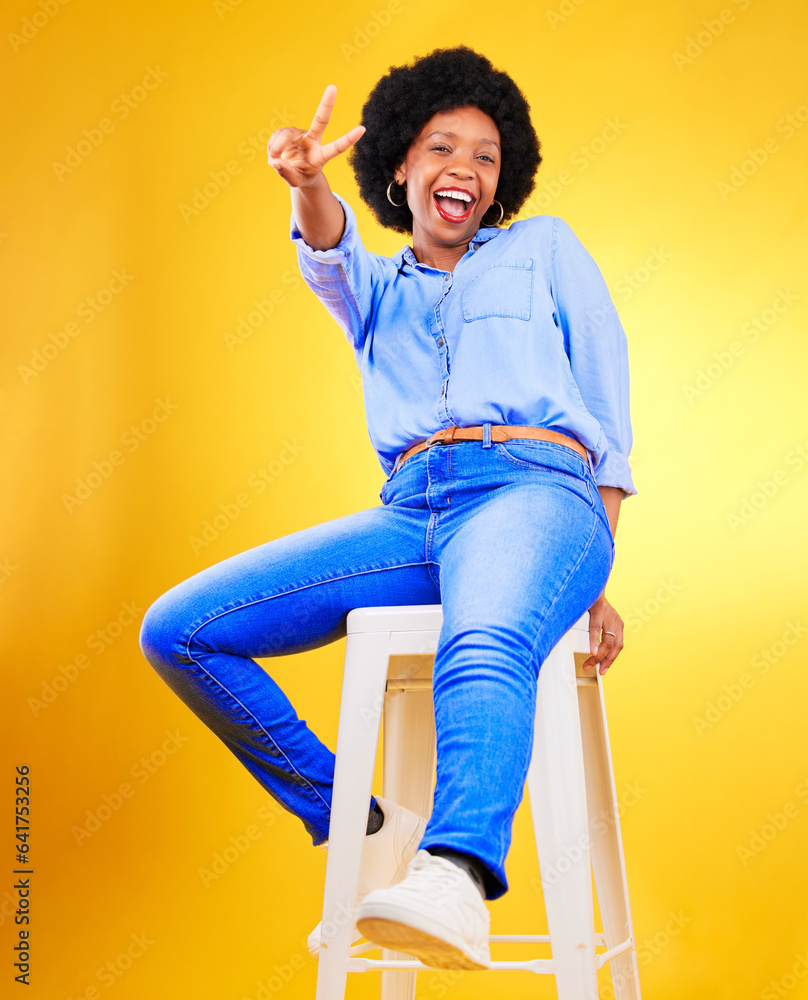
pixel 323 113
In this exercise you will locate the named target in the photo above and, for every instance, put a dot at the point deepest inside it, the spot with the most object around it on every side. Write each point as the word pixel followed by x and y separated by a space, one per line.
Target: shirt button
pixel 440 341
pixel 443 390
pixel 447 278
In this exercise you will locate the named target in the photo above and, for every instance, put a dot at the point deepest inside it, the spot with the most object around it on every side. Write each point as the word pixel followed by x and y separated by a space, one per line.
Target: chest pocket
pixel 504 290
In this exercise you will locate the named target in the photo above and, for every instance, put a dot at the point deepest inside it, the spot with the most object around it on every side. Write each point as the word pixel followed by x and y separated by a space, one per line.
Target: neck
pixel 443 256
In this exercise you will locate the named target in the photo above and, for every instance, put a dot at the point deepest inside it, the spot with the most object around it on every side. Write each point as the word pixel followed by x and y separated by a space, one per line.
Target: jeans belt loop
pixel 486 435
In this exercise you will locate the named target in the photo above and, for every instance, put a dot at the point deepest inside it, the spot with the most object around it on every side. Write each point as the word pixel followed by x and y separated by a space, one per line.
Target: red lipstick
pixel 447 215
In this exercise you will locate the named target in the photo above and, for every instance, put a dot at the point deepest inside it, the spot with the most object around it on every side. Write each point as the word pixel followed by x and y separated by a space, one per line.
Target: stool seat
pixel 388 674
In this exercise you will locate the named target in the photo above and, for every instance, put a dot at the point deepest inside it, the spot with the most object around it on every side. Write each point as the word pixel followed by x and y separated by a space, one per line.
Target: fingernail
pixel 595 650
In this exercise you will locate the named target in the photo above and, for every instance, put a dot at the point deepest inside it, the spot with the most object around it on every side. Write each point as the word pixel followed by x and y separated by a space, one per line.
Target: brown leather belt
pixel 499 433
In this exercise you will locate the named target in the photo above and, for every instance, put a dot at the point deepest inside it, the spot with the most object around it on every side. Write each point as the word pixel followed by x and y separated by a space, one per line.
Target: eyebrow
pixel 454 135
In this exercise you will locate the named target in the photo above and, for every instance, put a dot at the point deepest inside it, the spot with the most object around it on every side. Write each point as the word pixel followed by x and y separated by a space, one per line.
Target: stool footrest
pixel 600 939
pixel 618 949
pixel 541 966
pixel 538 965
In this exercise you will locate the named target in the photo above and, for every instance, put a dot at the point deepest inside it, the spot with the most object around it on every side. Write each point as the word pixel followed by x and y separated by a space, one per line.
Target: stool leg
pixel 361 706
pixel 608 859
pixel 557 790
pixel 409 762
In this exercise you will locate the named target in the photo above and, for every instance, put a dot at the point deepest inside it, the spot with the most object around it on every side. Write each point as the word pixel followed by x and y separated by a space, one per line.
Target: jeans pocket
pixel 556 461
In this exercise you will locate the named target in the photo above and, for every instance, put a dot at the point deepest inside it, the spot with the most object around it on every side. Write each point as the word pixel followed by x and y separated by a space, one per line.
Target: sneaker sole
pixel 436 952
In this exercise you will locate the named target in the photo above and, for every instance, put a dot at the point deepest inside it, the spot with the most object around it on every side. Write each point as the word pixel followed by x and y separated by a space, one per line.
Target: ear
pixel 400 173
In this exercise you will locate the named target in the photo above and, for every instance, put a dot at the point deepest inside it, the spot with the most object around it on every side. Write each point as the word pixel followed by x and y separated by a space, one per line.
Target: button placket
pixel 443 353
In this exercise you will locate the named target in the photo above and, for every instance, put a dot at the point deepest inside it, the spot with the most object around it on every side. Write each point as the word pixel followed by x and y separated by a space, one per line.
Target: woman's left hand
pixel 604 647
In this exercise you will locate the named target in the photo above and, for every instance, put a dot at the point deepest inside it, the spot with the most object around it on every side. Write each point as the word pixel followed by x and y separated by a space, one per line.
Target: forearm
pixel 612 497
pixel 318 214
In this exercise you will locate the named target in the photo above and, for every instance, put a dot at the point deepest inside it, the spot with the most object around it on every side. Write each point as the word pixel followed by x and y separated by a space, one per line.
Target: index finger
pixel 323 112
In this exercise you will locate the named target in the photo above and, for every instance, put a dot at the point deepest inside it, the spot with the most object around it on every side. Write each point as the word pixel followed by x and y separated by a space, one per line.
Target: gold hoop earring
pixel 399 205
pixel 501 214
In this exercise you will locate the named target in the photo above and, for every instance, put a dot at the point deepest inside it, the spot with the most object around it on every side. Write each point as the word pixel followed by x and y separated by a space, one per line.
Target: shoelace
pixel 436 871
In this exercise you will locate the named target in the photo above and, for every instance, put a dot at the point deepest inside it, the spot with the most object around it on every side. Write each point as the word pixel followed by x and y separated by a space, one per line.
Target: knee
pixel 161 635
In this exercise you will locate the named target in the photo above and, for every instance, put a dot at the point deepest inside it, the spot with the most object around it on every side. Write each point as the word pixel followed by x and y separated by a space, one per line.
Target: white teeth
pixel 460 195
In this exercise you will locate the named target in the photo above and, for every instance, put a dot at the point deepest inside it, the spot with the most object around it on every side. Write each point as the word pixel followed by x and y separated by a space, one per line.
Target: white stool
pixel 570 783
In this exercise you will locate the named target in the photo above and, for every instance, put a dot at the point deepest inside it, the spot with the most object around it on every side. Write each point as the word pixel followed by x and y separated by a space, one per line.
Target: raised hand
pixel 300 156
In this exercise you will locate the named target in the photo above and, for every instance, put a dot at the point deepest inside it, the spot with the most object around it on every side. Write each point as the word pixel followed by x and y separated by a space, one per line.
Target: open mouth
pixel 453 204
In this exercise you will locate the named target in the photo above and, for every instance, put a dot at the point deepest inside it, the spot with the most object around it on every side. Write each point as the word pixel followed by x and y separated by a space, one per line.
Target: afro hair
pixel 404 100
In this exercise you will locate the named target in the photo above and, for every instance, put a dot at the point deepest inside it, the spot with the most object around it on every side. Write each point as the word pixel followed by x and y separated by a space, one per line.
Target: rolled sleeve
pixel 342 277
pixel 597 350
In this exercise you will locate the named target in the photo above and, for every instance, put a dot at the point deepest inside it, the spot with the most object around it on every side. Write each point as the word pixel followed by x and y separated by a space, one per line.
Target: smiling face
pixel 451 170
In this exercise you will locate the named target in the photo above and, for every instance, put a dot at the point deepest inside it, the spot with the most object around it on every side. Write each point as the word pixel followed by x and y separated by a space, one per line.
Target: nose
pixel 461 167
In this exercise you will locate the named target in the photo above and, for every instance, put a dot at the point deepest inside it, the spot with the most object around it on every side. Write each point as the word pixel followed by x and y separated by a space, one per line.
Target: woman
pixel 496 391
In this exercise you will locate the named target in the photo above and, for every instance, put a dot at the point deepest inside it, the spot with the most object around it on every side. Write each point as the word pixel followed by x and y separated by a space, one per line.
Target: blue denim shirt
pixel 523 331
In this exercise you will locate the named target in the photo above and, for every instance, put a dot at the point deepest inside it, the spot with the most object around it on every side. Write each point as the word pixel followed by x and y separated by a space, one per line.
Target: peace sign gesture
pixel 299 156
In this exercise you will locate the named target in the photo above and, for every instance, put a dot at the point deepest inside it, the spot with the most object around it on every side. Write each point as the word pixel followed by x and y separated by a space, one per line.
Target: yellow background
pixel 710 573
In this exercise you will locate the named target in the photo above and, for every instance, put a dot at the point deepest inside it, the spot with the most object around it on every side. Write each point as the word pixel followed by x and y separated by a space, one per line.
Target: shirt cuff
pixel 337 254
pixel 614 470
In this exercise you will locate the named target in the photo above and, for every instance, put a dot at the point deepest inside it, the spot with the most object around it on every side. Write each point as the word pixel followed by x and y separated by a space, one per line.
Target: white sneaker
pixel 385 856
pixel 436 914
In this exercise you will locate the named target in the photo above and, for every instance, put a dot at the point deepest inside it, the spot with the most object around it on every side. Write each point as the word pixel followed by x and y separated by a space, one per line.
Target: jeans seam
pixel 303 781
pixel 560 589
pixel 428 561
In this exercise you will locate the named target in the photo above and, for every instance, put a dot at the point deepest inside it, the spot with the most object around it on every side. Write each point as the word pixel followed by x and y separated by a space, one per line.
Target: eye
pixel 440 147
pixel 485 156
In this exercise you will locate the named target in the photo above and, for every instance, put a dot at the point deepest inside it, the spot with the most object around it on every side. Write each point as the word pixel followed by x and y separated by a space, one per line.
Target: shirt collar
pixel 406 255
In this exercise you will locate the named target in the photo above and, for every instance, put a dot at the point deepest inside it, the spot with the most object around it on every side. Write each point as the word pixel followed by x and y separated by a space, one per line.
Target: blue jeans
pixel 512 539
